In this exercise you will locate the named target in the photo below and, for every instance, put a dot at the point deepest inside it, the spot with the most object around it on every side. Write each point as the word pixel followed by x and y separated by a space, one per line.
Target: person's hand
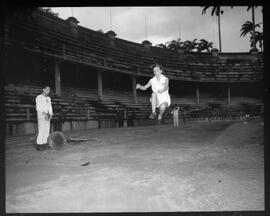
pixel 138 86
pixel 48 116
pixel 44 113
pixel 160 91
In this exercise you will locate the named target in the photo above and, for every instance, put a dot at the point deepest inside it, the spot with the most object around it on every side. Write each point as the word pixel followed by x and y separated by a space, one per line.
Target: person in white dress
pixel 160 96
pixel 44 115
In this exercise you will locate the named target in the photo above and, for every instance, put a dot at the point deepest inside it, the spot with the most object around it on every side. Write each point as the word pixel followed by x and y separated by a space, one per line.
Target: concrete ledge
pixel 26 128
pixel 82 125
pixel 106 123
pixel 32 127
pixel 66 126
pixel 91 124
pixel 21 128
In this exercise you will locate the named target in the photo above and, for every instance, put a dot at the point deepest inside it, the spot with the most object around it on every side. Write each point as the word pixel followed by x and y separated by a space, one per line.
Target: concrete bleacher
pixel 93 48
pixel 77 104
pixel 112 101
pixel 81 108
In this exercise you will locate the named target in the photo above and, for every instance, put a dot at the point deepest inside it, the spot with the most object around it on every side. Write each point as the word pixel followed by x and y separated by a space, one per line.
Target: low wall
pixel 31 127
pixel 23 128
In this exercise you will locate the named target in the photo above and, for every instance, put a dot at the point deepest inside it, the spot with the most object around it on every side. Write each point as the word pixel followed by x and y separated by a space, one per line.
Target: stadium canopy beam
pixel 229 95
pixel 198 94
pixel 99 83
pixel 57 78
pixel 134 88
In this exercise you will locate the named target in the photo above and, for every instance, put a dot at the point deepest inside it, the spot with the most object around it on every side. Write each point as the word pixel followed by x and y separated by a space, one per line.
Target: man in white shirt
pixel 160 96
pixel 44 115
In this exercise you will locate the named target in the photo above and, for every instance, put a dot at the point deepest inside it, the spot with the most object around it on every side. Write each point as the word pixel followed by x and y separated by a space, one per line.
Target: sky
pixel 161 24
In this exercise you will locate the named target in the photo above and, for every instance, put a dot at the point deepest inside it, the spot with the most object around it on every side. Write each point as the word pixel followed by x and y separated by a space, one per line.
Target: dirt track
pixel 196 167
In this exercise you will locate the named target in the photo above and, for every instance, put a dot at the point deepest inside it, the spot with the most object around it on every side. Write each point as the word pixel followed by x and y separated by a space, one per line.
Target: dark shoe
pixel 46 146
pixel 40 147
pixel 153 116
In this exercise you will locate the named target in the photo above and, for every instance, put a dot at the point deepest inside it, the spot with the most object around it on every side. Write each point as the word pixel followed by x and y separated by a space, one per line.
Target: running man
pixel 160 96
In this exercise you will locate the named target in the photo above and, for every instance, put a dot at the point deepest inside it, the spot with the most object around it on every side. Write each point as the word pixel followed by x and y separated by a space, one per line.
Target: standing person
pixel 44 115
pixel 160 96
pixel 175 113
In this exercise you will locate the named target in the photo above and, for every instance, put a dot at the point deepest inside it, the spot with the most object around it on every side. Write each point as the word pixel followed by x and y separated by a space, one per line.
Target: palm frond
pixel 247 27
pixel 205 9
pixel 258 24
pixel 214 10
pixel 203 40
pixel 249 7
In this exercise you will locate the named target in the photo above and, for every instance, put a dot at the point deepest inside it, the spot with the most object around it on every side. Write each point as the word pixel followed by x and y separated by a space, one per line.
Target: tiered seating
pixel 209 106
pixel 23 107
pixel 19 103
pixel 112 101
pixel 207 98
pixel 98 50
pixel 249 100
pixel 81 104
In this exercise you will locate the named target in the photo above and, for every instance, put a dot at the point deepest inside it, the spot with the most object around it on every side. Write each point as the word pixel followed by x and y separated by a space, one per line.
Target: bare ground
pixel 216 166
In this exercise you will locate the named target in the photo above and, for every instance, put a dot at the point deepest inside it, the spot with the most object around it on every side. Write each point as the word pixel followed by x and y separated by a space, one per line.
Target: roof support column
pixel 134 89
pixel 99 83
pixel 229 94
pixel 57 78
pixel 197 94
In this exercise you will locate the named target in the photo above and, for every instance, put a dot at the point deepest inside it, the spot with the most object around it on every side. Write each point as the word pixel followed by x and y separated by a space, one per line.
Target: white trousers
pixel 43 129
pixel 175 121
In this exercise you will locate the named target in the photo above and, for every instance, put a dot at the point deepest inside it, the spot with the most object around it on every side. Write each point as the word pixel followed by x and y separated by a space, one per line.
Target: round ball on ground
pixel 56 140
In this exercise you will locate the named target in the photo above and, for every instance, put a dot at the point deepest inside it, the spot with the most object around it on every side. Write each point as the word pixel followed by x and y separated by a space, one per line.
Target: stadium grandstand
pixel 93 77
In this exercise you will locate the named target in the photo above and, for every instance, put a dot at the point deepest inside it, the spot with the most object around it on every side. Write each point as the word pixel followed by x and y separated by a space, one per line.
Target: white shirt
pixel 158 84
pixel 43 104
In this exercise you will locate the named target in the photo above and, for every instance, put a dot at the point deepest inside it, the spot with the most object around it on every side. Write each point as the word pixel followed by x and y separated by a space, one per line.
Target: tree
pixel 100 31
pixel 216 10
pixel 204 45
pixel 174 44
pixel 258 38
pixel 189 46
pixel 171 45
pixel 253 22
pixel 161 45
pixel 249 27
pixel 49 11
